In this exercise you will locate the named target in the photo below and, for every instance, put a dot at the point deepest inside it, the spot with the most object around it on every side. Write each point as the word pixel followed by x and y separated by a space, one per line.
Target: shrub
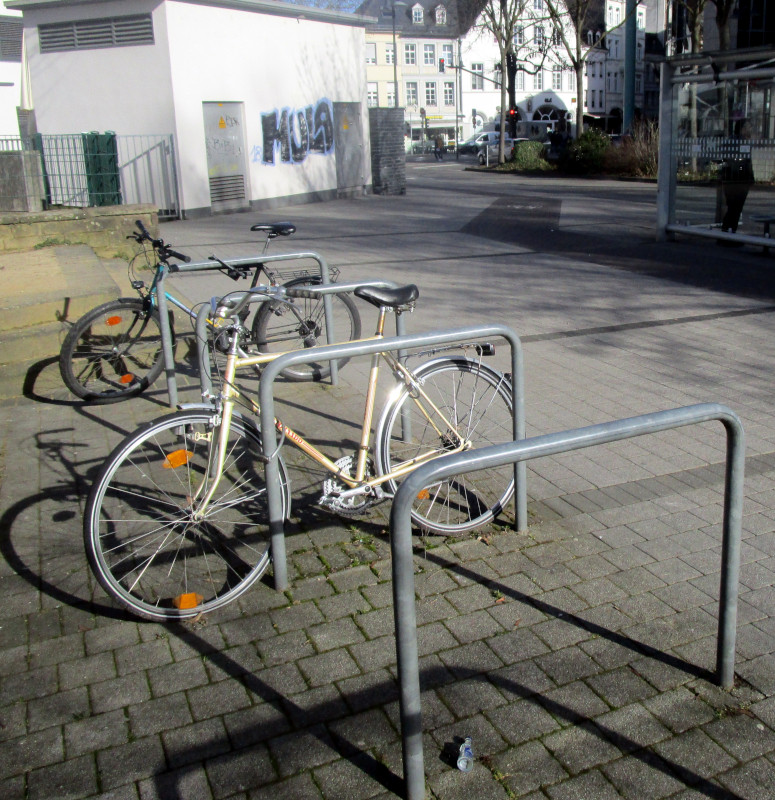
pixel 585 155
pixel 637 155
pixel 529 156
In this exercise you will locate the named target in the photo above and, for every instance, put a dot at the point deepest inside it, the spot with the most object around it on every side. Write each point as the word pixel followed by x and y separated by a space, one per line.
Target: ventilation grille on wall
pixel 11 29
pixel 89 34
pixel 227 187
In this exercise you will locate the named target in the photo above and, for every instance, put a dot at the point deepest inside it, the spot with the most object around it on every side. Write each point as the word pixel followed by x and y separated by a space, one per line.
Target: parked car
pixel 488 153
pixel 475 143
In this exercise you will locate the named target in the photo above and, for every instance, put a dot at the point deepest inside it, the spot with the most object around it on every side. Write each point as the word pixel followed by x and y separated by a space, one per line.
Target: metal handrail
pixel 368 347
pixel 514 452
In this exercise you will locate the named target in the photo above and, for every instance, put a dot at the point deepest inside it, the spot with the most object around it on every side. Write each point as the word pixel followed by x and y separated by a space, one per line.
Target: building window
pixel 441 15
pixel 539 36
pixel 538 81
pixel 372 100
pixel 448 54
pixel 638 82
pixel 571 81
pixel 417 15
pixel 520 78
pixel 497 74
pixel 592 94
pixel 430 94
pixel 586 98
pixel 449 93
pixel 411 93
pixel 477 79
pixel 639 51
pixel 91 34
pixel 538 5
pixel 641 21
pixel 519 37
pixel 391 96
pixel 556 37
pixel 11 31
pixel 390 54
pixel 614 48
pixel 429 55
pixel 602 99
pixel 557 78
pixel 371 52
pixel 410 54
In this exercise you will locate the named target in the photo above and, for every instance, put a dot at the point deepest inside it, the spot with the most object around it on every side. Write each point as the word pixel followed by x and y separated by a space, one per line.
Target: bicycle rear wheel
pixel 477 401
pixel 299 323
pixel 113 351
pixel 144 543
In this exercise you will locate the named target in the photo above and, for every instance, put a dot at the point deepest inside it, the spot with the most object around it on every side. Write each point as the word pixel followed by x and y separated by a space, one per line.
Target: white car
pixel 488 152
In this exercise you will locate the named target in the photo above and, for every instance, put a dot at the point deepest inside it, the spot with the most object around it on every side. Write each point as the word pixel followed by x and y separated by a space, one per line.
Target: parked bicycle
pixel 176 521
pixel 114 351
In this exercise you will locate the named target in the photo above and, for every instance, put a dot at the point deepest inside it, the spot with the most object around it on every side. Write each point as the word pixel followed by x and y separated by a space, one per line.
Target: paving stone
pixel 26 753
pixel 581 747
pixel 479 783
pixel 57 709
pixel 74 779
pixel 527 767
pixel 130 762
pixel 753 779
pixel 473 627
pixel 632 727
pixel 358 777
pixel 346 605
pixel 177 677
pixel 96 733
pixel 621 687
pixel 302 750
pixel 332 666
pixel 694 755
pixel 186 782
pixel 216 699
pixel 368 691
pixel 470 659
pixel 295 617
pixel 256 724
pixel 285 648
pixel 334 634
pixel 567 665
pixel 591 785
pixel 573 703
pixel 153 716
pixel 630 775
pixel 300 787
pixel 741 735
pixel 516 645
pixel 191 744
pixel 522 721
pixel 240 771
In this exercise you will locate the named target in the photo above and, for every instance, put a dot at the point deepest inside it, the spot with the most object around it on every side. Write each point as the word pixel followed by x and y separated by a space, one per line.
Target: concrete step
pixel 41 291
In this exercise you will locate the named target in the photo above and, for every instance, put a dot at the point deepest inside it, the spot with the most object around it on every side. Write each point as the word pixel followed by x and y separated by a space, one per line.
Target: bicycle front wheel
pixel 299 323
pixel 476 401
pixel 147 544
pixel 113 351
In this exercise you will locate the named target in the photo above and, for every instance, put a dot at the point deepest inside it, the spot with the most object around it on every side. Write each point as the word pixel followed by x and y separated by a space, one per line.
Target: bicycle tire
pixel 478 401
pixel 113 351
pixel 142 542
pixel 275 329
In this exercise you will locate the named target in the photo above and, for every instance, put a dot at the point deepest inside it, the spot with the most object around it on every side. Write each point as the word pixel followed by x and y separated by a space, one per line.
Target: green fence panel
pixel 100 154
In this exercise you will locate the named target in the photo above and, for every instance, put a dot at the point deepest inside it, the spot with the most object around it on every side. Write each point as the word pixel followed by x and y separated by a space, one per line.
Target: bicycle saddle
pixel 275 228
pixel 392 298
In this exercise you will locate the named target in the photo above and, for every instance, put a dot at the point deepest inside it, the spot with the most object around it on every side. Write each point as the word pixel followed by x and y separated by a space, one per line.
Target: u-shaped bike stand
pixel 519 452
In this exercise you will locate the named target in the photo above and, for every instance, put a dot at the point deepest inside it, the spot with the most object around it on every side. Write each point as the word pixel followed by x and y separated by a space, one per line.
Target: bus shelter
pixel 717 147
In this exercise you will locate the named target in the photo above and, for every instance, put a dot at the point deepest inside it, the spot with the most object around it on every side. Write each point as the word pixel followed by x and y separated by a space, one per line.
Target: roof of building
pixel 457 19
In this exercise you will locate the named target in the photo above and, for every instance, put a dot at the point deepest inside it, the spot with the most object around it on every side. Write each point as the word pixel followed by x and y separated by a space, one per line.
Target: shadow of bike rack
pixel 202 342
pixel 519 452
pixel 368 347
pixel 251 261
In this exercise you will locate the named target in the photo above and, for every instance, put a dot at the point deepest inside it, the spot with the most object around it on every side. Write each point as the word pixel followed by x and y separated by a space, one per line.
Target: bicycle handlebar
pixel 165 252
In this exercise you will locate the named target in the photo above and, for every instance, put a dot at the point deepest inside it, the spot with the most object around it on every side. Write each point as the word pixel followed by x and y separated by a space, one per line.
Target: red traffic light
pixel 512 112
pixel 441 65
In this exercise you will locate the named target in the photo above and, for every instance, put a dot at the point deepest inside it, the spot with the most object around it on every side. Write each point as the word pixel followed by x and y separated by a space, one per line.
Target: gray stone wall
pixel 388 160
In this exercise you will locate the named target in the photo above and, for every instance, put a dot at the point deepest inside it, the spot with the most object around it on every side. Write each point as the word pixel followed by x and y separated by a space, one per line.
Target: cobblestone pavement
pixel 579 654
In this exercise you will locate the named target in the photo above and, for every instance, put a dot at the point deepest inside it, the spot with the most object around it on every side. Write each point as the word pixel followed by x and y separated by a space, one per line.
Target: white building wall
pixel 203 53
pixel 10 87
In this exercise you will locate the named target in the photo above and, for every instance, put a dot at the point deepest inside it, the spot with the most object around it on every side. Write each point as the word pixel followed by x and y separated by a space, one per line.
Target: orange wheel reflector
pixel 128 378
pixel 423 494
pixel 188 600
pixel 115 320
pixel 177 459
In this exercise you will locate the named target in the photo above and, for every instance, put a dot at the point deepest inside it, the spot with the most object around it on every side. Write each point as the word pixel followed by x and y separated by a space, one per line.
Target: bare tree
pixel 724 9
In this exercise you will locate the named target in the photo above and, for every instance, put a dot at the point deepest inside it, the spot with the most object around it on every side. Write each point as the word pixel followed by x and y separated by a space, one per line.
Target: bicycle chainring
pixel 332 488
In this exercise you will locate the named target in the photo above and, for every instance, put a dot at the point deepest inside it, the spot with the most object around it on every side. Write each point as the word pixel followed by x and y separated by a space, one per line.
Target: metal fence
pixel 91 169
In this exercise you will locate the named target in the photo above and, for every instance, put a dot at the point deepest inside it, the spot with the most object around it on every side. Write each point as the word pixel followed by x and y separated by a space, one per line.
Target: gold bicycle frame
pixel 229 393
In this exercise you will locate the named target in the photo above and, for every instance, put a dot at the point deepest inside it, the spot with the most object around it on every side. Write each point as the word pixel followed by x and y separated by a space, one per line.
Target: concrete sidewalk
pixel 578 655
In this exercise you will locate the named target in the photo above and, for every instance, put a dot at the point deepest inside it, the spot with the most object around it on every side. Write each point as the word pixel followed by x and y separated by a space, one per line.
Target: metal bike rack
pixel 552 444
pixel 202 266
pixel 205 375
pixel 348 350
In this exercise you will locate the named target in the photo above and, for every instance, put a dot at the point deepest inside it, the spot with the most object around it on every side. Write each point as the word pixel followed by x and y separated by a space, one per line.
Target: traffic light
pixel 441 65
pixel 512 122
pixel 473 116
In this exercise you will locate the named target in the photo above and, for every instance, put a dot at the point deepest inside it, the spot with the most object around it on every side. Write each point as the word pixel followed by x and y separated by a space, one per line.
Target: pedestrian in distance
pixel 736 177
pixel 438 148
